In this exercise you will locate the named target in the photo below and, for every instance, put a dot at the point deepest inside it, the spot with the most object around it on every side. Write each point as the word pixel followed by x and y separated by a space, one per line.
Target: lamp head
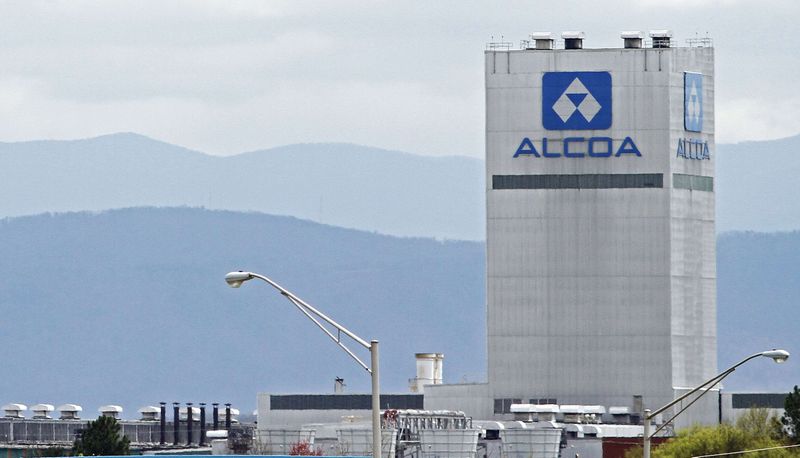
pixel 235 279
pixel 780 356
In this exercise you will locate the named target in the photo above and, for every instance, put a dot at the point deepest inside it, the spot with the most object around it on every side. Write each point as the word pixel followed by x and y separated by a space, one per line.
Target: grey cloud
pixel 238 65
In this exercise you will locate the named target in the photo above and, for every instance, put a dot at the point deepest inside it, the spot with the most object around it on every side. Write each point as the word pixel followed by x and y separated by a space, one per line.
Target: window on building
pixel 504 405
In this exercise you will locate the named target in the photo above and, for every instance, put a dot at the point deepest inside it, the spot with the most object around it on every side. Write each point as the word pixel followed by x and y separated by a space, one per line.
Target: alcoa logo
pixel 693 102
pixel 576 100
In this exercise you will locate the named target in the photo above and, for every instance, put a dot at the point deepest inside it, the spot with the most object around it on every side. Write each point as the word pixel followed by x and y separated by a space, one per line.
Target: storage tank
pixel 429 371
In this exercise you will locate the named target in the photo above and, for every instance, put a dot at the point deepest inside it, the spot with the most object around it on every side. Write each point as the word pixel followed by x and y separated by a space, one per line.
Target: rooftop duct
pixel 14 410
pixel 70 411
pixel 573 39
pixel 545 412
pixel 112 411
pixel 338 385
pixel 524 412
pixel 621 415
pixel 593 414
pixel 42 411
pixel 150 413
pixel 542 40
pixel 573 413
pixel 632 39
pixel 661 38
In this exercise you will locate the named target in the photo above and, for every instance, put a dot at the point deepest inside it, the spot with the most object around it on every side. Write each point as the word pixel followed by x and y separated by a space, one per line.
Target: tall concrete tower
pixel 600 222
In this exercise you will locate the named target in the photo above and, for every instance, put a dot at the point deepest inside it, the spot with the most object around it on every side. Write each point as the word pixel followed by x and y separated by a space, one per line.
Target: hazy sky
pixel 229 76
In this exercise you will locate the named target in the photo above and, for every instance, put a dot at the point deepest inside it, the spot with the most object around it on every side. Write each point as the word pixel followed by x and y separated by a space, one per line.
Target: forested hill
pixel 130 306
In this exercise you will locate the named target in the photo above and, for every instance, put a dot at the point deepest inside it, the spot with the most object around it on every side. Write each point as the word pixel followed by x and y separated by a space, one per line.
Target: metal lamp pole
pixel 779 356
pixel 235 280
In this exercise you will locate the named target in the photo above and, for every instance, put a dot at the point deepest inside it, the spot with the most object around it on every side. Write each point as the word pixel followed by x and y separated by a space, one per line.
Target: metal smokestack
pixel 202 424
pixel 163 438
pixel 215 415
pixel 228 416
pixel 176 421
pixel 189 421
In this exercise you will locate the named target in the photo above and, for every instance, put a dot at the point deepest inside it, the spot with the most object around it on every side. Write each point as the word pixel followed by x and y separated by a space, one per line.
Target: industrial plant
pixel 601 279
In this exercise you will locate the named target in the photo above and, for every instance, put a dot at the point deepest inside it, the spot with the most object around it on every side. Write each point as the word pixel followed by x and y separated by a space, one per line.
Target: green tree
pixel 102 437
pixel 51 452
pixel 791 415
pixel 707 440
pixel 758 422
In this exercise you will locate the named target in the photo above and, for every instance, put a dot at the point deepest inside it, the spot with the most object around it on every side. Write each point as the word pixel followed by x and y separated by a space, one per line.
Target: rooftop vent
pixel 661 38
pixel 619 410
pixel 632 39
pixel 150 413
pixel 545 412
pixel 573 413
pixel 70 411
pixel 14 410
pixel 573 39
pixel 338 385
pixel 620 414
pixel 184 414
pixel 112 411
pixel 596 410
pixel 542 40
pixel 523 412
pixel 42 411
pixel 593 414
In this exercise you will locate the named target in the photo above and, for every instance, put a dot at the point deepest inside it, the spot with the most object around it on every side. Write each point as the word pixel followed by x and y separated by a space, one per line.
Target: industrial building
pixel 601 276
pixel 26 431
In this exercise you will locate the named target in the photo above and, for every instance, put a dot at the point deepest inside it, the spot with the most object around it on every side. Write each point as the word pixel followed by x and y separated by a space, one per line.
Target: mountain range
pixel 340 184
pixel 345 185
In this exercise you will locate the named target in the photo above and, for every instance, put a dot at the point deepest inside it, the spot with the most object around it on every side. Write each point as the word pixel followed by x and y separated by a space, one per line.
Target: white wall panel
pixel 597 295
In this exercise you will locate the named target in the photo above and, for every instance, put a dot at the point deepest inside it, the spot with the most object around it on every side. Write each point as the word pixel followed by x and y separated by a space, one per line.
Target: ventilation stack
pixel 42 411
pixel 661 38
pixel 429 371
pixel 621 415
pixel 573 39
pixel 14 410
pixel 150 413
pixel 111 410
pixel 70 411
pixel 338 385
pixel 632 39
pixel 542 40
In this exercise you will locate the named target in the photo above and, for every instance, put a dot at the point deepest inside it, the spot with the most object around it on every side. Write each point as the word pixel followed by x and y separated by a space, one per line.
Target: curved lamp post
pixel 779 356
pixel 235 280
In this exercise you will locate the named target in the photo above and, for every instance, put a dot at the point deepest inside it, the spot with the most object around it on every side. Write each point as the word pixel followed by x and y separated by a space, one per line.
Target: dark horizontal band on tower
pixel 692 182
pixel 583 181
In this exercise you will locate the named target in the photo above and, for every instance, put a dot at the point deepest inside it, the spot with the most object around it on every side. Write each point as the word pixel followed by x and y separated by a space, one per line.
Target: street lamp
pixel 235 280
pixel 779 356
